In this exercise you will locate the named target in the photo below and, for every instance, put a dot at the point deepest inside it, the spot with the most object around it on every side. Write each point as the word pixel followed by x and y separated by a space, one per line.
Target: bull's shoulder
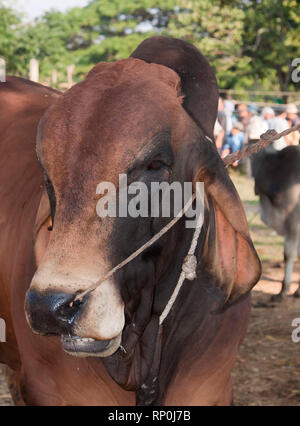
pixel 26 87
pixel 22 104
pixel 289 156
pixel 277 175
pixel 18 95
pixel 287 172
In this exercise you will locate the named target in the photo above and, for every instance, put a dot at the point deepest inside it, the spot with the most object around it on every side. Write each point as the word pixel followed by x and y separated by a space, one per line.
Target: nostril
pixel 52 313
pixel 69 310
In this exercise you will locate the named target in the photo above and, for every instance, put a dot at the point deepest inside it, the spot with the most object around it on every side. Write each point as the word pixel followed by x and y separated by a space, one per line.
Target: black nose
pixel 51 313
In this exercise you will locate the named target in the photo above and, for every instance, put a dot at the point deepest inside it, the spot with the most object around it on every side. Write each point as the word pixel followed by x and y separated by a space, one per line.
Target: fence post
pixel 2 70
pixel 34 70
pixel 54 78
pixel 70 71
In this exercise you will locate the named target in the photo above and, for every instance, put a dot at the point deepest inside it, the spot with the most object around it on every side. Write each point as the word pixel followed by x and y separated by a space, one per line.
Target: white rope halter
pixel 188 269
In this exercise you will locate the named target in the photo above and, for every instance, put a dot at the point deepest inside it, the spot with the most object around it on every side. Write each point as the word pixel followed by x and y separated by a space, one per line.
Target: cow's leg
pixel 290 253
pixel 297 292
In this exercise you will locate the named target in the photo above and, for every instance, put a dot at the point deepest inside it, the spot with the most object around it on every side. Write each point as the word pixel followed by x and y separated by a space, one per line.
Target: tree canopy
pixel 250 43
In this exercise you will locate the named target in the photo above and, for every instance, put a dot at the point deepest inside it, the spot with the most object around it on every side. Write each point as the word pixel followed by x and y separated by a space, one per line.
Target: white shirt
pixel 256 127
pixel 279 124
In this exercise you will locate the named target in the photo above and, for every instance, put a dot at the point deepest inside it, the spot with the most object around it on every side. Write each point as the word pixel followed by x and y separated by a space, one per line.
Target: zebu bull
pixel 148 117
pixel 277 182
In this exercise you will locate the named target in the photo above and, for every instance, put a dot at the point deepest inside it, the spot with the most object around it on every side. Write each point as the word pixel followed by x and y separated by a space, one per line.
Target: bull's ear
pixel 228 256
pixel 41 234
pixel 198 81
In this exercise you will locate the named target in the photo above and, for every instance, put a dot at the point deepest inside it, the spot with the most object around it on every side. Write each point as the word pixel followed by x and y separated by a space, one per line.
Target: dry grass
pixel 268 244
pixel 5 398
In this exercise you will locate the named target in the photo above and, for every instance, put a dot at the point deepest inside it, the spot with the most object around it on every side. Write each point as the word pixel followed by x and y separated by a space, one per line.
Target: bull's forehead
pixel 103 123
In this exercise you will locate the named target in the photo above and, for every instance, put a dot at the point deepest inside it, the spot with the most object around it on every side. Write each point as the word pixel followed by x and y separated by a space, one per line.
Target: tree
pixel 10 23
pixel 271 38
pixel 250 43
pixel 120 26
pixel 218 33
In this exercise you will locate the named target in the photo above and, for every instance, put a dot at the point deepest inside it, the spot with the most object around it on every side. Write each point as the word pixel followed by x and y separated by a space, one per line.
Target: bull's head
pixel 147 117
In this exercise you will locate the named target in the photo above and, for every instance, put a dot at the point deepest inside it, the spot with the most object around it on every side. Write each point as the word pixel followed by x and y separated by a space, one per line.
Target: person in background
pixel 219 134
pixel 256 125
pixel 267 114
pixel 228 111
pixel 292 115
pixel 222 118
pixel 293 119
pixel 243 115
pixel 234 141
pixel 279 124
pixel 221 114
pixel 255 128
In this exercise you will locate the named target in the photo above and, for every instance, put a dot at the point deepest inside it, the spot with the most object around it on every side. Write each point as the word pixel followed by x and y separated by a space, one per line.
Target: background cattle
pixel 147 116
pixel 277 182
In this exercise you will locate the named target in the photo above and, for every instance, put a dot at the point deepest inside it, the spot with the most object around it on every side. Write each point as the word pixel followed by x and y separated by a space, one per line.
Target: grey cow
pixel 277 182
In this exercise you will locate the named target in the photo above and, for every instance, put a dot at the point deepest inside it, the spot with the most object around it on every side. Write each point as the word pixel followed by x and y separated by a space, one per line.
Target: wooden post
pixel 2 70
pixel 34 70
pixel 70 71
pixel 54 78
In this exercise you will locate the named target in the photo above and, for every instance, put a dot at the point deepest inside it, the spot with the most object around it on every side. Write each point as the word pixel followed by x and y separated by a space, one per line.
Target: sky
pixel 34 8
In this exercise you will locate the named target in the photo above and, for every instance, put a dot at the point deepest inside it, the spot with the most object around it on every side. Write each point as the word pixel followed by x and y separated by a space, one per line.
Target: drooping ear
pixel 198 81
pixel 228 254
pixel 41 234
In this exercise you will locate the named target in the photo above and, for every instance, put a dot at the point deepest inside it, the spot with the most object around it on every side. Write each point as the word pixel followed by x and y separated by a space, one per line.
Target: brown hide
pixel 21 107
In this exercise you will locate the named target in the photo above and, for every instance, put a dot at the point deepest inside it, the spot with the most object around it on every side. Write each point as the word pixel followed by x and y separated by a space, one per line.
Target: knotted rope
pixel 266 139
pixel 188 270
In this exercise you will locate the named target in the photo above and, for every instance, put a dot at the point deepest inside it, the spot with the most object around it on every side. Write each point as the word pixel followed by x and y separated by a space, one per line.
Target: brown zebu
pixel 146 116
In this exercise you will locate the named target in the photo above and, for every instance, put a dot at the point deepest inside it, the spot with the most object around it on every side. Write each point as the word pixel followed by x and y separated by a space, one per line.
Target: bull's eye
pixel 155 165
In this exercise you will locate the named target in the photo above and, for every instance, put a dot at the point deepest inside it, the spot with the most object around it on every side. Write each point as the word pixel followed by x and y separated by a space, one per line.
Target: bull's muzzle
pixel 89 327
pixel 51 313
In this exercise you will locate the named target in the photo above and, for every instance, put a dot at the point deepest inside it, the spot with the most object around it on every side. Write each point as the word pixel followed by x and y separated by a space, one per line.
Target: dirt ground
pixel 267 371
pixel 5 398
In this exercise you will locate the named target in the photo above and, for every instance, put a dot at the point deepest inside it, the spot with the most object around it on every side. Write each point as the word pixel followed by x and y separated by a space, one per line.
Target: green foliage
pixel 272 38
pixel 250 44
pixel 120 26
pixel 10 24
pixel 217 31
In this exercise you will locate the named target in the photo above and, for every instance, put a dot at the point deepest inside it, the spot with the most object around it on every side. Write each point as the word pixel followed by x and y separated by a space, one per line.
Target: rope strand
pixel 266 139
